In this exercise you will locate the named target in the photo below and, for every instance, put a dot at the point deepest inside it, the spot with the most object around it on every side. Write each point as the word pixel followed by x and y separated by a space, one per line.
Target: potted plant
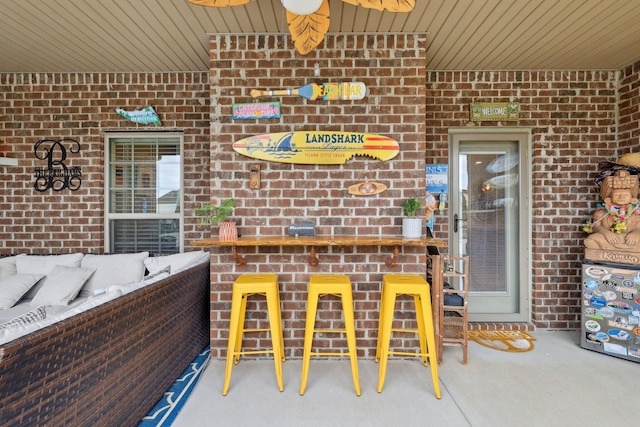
pixel 213 215
pixel 411 226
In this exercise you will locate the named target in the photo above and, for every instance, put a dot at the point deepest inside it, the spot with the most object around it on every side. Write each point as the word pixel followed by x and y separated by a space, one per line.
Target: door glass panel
pixel 486 223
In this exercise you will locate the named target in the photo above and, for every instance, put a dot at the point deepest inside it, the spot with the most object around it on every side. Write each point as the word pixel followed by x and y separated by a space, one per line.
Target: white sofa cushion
pixel 44 264
pixel 18 330
pixel 177 262
pixel 14 287
pixel 61 286
pixel 32 316
pixel 8 266
pixel 113 269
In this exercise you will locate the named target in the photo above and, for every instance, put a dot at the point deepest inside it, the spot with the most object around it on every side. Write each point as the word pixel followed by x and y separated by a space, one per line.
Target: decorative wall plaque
pixel 494 111
pixel 145 116
pixel 57 175
pixel 304 228
pixel 256 110
pixel 343 91
pixel 437 178
pixel 366 188
pixel 316 147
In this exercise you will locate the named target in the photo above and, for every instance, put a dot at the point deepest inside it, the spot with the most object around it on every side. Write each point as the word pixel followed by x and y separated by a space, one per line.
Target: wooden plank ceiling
pixel 172 35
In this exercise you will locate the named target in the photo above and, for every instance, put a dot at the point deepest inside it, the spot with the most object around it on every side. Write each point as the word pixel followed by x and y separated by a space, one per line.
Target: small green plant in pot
pixel 213 215
pixel 411 205
pixel 411 226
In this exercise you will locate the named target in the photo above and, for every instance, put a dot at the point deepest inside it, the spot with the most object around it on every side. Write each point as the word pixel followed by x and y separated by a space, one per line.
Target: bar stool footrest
pixel 240 353
pixel 409 353
pixel 256 330
pixel 329 331
pixel 328 354
pixel 405 331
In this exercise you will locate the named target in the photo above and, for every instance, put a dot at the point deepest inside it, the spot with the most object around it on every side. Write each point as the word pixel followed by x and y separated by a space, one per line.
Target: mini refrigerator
pixel 611 309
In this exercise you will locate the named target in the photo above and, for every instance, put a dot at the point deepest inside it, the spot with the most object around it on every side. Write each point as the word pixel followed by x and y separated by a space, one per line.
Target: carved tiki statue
pixel 615 226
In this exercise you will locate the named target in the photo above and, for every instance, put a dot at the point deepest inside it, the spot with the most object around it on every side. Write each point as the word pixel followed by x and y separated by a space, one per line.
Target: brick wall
pixel 629 95
pixel 393 68
pixel 82 106
pixel 573 117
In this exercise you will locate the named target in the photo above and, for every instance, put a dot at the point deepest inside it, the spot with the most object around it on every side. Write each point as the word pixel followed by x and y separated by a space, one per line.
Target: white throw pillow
pixel 8 266
pixel 112 270
pixel 61 286
pixel 166 270
pixel 44 264
pixel 14 287
pixel 26 318
pixel 177 262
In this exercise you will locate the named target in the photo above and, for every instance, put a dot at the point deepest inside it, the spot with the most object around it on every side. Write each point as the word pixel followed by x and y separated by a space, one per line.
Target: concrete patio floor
pixel 556 384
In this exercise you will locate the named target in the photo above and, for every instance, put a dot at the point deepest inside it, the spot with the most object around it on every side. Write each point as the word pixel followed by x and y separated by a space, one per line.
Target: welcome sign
pixel 494 111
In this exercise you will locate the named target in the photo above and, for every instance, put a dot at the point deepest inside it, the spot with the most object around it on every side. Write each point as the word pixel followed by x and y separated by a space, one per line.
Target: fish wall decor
pixel 145 116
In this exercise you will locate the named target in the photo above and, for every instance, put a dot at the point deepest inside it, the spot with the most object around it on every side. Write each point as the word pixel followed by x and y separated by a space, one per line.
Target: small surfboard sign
pixel 316 147
pixel 320 91
pixel 367 188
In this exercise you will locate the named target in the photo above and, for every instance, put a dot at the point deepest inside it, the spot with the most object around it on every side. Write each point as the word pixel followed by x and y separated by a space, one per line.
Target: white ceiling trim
pixel 173 35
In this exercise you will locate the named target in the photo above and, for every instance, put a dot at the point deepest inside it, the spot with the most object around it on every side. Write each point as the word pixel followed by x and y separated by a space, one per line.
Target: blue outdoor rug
pixel 167 409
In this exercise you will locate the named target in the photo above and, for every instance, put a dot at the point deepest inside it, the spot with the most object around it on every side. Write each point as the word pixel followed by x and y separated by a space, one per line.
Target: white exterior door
pixel 489 219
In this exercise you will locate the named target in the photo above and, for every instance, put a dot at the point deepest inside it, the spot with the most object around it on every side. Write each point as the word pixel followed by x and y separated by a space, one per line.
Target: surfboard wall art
pixel 316 147
pixel 366 188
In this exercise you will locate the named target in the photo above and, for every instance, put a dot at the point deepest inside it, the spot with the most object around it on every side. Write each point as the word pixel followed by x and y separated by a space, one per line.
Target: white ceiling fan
pixel 309 19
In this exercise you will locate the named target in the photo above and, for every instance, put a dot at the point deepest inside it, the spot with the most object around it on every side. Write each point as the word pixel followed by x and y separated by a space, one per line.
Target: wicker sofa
pixel 109 365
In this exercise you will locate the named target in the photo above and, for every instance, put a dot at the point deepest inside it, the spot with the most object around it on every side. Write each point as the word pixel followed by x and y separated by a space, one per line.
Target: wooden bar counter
pixel 366 275
pixel 313 241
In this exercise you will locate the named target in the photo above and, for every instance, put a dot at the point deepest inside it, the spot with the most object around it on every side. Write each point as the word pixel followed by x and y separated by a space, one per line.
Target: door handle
pixel 456 218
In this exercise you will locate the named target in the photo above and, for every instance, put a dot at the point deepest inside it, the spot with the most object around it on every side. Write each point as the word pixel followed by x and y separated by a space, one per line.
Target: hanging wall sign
pixel 321 91
pixel 316 147
pixel 437 178
pixel 145 116
pixel 494 111
pixel 366 188
pixel 256 110
pixel 57 175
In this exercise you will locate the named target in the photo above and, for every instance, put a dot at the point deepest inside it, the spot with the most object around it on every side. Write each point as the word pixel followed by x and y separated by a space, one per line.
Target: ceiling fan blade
pixel 390 5
pixel 219 3
pixel 308 31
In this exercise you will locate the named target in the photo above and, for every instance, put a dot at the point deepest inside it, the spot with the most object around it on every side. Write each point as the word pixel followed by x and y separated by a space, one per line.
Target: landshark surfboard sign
pixel 317 147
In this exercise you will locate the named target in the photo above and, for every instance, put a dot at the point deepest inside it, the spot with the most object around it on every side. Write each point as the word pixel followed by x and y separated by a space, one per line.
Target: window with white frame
pixel 143 195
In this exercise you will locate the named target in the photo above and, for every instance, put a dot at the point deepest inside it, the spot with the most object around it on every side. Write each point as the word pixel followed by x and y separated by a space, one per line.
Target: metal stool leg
pixel 236 304
pixel 312 306
pixel 427 318
pixel 381 315
pixel 276 334
pixel 422 334
pixel 385 336
pixel 349 326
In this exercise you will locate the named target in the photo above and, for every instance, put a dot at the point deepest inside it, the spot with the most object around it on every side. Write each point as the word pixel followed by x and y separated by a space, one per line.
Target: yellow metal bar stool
pixel 245 286
pixel 338 285
pixel 394 285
